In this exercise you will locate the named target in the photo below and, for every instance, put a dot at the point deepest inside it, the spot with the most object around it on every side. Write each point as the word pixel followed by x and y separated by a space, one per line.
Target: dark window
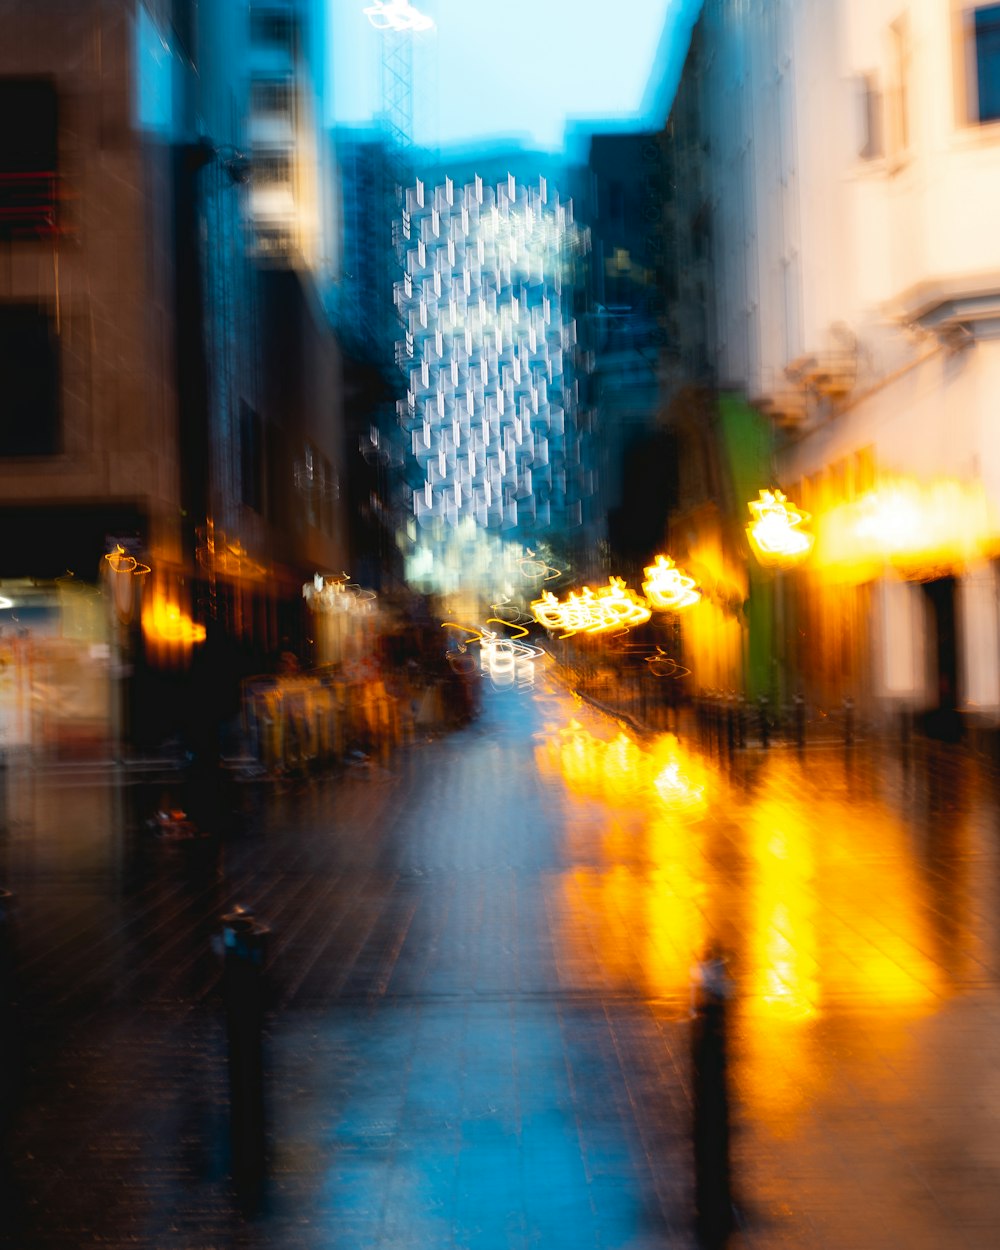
pixel 987 29
pixel 271 95
pixel 271 167
pixel 275 29
pixel 870 102
pixel 29 382
pixel 251 464
pixel 28 156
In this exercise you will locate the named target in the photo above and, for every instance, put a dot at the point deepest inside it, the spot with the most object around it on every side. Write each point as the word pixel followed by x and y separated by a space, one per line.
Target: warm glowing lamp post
pixel 779 542
pixel 669 590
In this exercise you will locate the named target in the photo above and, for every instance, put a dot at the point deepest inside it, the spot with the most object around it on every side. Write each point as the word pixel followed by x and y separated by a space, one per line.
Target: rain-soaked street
pixel 480 969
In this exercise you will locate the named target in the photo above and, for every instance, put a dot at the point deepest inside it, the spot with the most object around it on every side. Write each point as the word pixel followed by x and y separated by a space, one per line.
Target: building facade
pixel 850 154
pixel 138 420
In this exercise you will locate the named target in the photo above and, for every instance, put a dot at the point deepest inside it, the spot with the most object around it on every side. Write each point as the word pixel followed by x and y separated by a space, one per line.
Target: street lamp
pixel 775 533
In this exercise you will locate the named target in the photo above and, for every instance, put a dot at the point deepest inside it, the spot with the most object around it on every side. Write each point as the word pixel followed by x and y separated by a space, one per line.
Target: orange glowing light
pixel 224 556
pixel 915 527
pixel 164 622
pixel 677 792
pixel 121 562
pixel 668 589
pixel 611 607
pixel 774 532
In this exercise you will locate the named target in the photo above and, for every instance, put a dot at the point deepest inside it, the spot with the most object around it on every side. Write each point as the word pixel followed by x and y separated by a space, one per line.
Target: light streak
pixel 226 557
pixel 535 570
pixel 397 15
pixel 662 665
pixel 611 607
pixel 332 592
pixel 774 532
pixel 121 562
pixel 505 661
pixel 667 588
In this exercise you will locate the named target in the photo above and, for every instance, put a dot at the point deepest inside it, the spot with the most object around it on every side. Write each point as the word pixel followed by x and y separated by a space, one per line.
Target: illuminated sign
pixel 775 534
pixel 668 589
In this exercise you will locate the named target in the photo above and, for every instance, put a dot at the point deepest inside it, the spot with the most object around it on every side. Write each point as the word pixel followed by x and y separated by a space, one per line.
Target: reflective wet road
pixel 480 976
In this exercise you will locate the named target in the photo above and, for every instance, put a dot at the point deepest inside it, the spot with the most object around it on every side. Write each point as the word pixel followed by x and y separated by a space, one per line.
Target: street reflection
pixel 805 874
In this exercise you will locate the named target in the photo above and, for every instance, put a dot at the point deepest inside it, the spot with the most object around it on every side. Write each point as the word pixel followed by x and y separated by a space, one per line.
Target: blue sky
pixel 492 69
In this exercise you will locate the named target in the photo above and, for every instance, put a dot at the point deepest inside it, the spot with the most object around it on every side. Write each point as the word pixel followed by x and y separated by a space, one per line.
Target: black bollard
pixel 800 721
pixel 730 726
pixel 764 723
pixel 741 723
pixel 244 946
pixel 713 1189
pixel 848 721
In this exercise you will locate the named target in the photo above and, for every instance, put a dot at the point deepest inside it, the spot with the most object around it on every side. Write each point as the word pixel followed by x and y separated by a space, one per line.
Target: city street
pixel 479 996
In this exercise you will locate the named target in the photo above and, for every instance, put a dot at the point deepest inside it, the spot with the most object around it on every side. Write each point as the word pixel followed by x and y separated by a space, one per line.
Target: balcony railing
pixel 28 205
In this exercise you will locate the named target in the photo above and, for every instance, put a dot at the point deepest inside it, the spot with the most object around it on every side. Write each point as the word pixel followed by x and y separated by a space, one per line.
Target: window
pixel 274 28
pixel 29 382
pixel 28 156
pixel 271 167
pixel 986 33
pixel 899 94
pixel 271 95
pixel 870 110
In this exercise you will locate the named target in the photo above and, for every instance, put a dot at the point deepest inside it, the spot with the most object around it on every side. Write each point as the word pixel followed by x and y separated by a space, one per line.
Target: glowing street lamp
pixel 774 532
pixel 592 612
pixel 397 15
pixel 667 588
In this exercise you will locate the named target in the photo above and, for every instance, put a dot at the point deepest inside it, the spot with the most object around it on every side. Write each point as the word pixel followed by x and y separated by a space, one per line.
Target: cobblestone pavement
pixel 479 1015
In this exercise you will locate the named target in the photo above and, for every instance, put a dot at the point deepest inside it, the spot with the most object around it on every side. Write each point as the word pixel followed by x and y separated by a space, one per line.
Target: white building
pixel 853 151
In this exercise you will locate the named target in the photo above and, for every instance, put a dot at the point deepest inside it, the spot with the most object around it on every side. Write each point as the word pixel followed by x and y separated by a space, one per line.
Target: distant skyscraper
pixel 488 347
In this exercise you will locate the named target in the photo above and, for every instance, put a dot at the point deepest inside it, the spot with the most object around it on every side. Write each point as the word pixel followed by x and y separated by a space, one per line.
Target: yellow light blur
pixel 611 607
pixel 164 622
pixel 774 532
pixel 224 556
pixel 916 528
pixel 668 589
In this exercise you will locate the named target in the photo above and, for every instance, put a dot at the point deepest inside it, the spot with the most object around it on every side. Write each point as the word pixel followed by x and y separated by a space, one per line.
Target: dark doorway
pixel 943 720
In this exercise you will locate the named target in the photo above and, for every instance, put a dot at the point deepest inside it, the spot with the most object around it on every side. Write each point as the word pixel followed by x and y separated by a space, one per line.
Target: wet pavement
pixel 479 1014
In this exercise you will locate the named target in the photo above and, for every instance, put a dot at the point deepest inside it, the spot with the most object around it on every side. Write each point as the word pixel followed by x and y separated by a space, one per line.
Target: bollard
pixel 800 721
pixel 713 1190
pixel 764 725
pixel 244 950
pixel 741 723
pixel 730 726
pixel 848 721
